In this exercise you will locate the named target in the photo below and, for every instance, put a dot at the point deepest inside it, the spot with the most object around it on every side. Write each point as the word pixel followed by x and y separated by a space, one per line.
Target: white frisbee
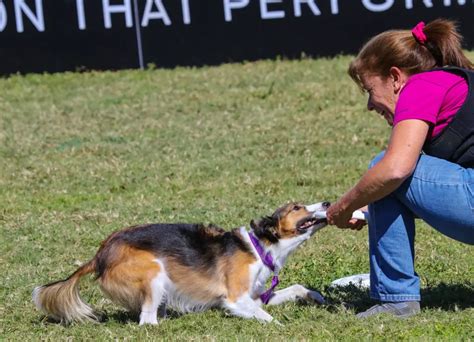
pixel 361 281
pixel 358 214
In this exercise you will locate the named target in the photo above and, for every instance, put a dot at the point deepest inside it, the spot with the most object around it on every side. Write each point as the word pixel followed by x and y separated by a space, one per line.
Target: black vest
pixel 456 142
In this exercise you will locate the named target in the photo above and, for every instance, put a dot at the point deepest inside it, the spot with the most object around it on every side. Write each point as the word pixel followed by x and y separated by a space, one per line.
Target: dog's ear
pixel 266 228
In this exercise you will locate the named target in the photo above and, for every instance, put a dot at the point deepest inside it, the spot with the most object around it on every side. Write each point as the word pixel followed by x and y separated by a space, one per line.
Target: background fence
pixel 54 35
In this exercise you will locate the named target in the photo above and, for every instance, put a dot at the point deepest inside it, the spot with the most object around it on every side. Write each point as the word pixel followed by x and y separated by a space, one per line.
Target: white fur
pixel 281 250
pixel 165 293
pixel 149 310
pixel 178 300
pixel 183 303
pixel 36 297
pixel 259 273
pixel 247 307
pixel 293 293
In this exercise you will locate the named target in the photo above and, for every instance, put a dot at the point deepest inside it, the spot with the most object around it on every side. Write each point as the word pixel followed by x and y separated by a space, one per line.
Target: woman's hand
pixel 342 218
pixel 398 163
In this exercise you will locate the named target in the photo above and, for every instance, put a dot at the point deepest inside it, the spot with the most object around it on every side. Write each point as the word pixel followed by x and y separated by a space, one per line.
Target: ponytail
pixel 440 46
pixel 444 43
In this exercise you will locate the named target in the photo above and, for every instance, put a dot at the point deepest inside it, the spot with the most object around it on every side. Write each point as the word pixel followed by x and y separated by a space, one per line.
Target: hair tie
pixel 418 33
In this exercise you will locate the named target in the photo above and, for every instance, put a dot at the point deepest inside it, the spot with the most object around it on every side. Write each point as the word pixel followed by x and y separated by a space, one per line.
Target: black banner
pixel 54 35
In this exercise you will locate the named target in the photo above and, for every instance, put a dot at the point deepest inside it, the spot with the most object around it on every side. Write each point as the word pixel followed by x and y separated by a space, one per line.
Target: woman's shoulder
pixel 437 78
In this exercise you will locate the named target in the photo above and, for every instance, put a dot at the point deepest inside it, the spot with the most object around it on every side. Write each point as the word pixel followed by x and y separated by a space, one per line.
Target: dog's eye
pixel 296 208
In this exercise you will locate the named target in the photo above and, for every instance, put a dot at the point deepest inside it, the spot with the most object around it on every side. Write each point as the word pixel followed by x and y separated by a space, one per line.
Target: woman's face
pixel 383 95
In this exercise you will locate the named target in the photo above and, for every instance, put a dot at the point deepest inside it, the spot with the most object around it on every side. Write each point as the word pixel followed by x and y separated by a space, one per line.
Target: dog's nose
pixel 326 204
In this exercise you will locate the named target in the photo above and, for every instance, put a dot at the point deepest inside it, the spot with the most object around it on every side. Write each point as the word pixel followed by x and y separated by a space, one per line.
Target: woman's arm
pixel 386 176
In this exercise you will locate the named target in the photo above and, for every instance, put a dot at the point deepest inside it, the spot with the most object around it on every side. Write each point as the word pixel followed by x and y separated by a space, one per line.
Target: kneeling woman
pixel 423 85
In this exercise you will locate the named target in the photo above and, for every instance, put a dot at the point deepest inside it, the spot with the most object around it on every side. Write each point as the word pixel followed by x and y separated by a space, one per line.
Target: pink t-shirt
pixel 434 97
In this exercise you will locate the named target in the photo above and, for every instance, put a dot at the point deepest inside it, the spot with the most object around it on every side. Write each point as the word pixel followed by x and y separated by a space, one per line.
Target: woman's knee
pixel 377 158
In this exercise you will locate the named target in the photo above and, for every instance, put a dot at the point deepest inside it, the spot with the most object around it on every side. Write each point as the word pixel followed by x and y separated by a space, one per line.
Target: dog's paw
pixel 315 297
pixel 276 322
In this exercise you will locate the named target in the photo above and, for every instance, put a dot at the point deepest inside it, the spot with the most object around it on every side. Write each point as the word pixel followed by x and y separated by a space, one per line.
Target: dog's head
pixel 289 221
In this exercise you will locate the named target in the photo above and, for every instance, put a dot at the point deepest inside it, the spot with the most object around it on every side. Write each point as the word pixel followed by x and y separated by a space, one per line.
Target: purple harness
pixel 267 261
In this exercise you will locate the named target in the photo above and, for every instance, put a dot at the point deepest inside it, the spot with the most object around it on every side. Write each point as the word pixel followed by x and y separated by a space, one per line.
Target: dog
pixel 190 267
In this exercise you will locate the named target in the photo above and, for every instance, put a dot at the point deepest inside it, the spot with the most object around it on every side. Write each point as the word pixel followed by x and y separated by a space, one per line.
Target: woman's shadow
pixel 444 296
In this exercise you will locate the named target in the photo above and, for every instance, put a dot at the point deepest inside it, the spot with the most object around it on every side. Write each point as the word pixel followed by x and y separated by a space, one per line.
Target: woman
pixel 431 111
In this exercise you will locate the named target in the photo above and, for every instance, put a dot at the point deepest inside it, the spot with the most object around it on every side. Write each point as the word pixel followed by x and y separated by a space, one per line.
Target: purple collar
pixel 267 261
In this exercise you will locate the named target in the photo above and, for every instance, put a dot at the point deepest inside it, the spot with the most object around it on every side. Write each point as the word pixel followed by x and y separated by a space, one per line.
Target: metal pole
pixel 138 34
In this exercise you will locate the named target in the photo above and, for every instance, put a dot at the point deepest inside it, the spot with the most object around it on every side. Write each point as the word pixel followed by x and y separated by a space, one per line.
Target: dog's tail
pixel 61 301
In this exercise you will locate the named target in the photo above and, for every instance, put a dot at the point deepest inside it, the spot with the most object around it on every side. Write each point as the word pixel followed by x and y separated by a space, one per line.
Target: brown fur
pixel 230 279
pixel 128 277
pixel 237 275
pixel 289 219
pixel 195 284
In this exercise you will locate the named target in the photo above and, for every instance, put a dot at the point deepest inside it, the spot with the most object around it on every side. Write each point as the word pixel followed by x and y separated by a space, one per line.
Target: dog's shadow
pixel 444 296
pixel 125 317
pixel 119 316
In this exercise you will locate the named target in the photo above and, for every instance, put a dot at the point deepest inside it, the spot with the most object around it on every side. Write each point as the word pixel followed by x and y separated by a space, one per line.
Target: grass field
pixel 83 155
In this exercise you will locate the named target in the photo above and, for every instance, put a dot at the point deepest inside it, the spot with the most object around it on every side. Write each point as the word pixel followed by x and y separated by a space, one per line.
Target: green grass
pixel 83 155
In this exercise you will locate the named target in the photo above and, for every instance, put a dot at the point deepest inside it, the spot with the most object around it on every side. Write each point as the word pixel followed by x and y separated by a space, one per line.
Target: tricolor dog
pixel 190 267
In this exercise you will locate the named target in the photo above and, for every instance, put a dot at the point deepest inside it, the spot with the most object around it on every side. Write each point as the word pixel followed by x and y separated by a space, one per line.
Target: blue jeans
pixel 439 192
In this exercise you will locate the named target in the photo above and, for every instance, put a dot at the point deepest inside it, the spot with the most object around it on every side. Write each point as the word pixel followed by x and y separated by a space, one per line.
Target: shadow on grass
pixel 350 297
pixel 447 297
pixel 124 317
pixel 119 316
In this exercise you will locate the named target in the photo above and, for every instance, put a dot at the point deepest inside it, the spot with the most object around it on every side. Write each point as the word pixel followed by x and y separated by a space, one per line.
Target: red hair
pixel 399 48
